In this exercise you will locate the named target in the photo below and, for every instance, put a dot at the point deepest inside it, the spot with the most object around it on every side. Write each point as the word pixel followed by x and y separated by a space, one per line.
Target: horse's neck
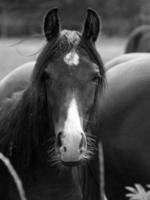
pixel 49 182
pixel 53 176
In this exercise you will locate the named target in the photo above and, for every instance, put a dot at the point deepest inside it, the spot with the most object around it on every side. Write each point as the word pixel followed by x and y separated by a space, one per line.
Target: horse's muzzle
pixel 71 164
pixel 71 147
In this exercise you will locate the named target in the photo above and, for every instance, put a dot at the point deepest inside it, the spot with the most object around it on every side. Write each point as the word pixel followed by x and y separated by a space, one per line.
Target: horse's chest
pixel 53 186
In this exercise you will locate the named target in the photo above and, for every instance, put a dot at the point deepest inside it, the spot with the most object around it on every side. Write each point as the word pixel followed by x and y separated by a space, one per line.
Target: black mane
pixel 25 123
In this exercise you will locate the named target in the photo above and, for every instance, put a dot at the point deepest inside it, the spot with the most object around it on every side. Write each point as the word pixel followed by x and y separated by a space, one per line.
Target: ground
pixel 14 52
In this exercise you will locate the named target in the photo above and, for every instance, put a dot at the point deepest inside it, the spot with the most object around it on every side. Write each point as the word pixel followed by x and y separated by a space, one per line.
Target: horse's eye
pixel 96 78
pixel 46 75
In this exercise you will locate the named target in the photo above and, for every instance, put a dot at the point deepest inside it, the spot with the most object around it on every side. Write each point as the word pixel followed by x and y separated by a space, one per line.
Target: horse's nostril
pixel 58 139
pixel 82 145
pixel 81 150
pixel 65 149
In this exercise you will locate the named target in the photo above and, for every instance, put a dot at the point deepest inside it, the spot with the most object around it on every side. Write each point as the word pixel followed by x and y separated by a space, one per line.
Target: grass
pixel 14 52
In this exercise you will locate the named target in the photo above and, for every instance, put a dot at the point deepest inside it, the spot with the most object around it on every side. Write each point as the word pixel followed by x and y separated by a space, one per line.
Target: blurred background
pixel 21 25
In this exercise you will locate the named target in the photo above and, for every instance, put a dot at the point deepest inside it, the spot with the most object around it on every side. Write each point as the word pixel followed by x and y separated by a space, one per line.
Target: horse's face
pixel 71 93
pixel 72 82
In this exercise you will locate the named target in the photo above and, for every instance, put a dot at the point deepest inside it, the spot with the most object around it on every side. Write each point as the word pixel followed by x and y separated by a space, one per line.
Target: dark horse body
pixel 41 128
pixel 139 40
pixel 125 126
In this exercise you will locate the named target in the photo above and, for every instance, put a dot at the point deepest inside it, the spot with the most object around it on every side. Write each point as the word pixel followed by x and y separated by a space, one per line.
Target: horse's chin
pixel 71 164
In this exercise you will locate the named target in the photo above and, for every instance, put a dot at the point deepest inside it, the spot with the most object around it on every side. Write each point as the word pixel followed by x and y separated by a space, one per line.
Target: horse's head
pixel 73 74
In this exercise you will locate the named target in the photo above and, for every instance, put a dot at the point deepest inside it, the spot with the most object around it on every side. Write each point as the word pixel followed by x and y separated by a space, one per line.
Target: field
pixel 14 52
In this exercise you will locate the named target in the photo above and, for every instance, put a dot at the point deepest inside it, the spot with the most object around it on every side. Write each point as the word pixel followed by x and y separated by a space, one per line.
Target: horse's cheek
pixel 89 96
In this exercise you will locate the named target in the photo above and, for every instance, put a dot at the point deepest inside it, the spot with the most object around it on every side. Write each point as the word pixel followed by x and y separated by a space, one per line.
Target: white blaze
pixel 71 58
pixel 72 133
pixel 73 122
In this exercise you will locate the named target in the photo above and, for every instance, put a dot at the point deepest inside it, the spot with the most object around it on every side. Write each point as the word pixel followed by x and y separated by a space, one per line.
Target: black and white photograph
pixel 75 100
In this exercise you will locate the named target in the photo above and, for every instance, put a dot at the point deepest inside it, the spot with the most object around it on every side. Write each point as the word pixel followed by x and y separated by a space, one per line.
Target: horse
pixel 123 122
pixel 124 126
pixel 113 62
pixel 16 80
pixel 139 40
pixel 47 130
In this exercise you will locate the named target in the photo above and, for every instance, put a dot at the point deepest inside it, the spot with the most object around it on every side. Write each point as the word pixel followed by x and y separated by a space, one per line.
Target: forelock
pixel 73 37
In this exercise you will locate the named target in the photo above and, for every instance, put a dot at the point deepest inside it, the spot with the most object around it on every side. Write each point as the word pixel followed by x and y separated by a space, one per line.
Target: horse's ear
pixel 51 24
pixel 92 26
